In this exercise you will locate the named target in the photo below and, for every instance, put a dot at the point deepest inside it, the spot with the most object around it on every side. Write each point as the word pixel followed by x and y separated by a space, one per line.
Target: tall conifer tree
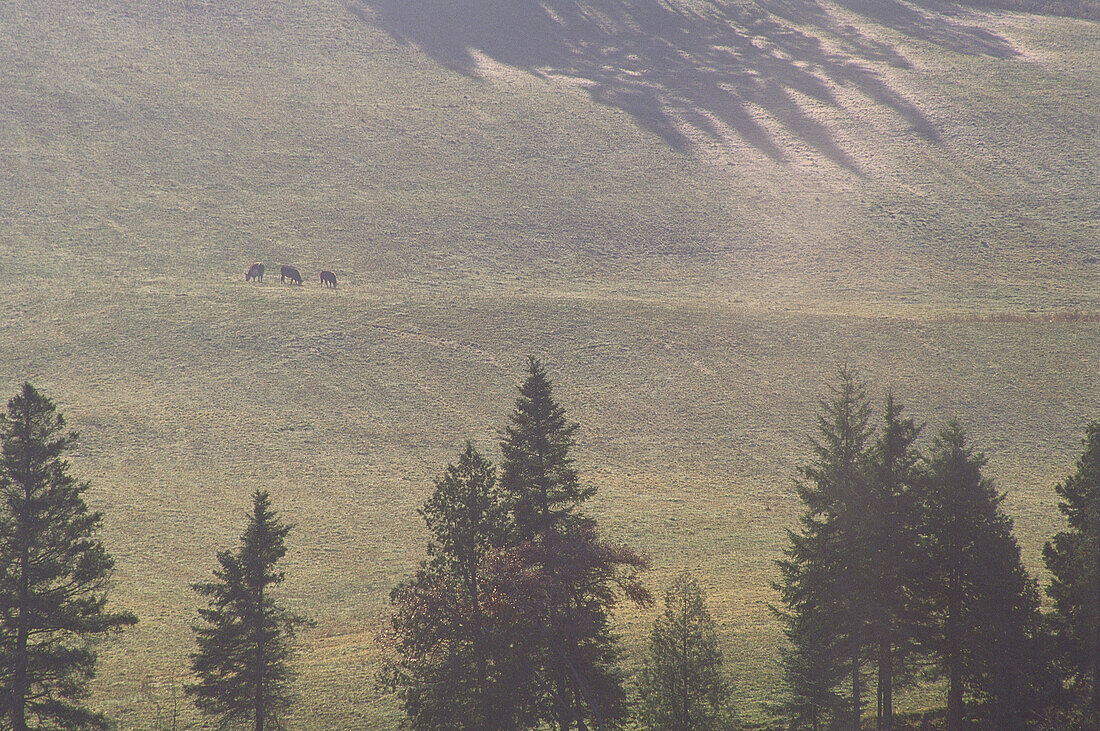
pixel 54 574
pixel 579 577
pixel 892 542
pixel 981 606
pixel 1073 558
pixel 825 576
pixel 246 638
pixel 538 475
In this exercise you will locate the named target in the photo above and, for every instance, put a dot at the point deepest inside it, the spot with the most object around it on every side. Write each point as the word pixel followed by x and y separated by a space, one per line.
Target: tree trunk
pixel 19 675
pixel 857 701
pixel 954 699
pixel 20 682
pixel 684 678
pixel 578 710
pixel 260 662
pixel 878 701
pixel 954 671
pixel 885 687
pixel 562 689
pixel 581 725
pixel 480 651
pixel 483 681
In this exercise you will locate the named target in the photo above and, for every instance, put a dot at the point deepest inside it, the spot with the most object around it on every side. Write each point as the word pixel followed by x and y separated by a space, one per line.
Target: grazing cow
pixel 255 273
pixel 328 279
pixel 290 273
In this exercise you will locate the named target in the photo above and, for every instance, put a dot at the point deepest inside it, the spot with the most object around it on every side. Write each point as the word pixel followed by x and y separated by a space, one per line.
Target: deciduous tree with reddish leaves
pixel 506 625
pixel 459 660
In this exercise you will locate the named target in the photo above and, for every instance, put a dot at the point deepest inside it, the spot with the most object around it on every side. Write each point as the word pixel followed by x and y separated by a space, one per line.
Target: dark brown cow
pixel 328 279
pixel 255 273
pixel 290 273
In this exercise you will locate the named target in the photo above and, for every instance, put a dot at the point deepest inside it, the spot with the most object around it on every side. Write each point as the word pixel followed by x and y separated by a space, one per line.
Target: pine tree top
pixel 958 466
pixel 538 422
pixel 537 474
pixel 33 439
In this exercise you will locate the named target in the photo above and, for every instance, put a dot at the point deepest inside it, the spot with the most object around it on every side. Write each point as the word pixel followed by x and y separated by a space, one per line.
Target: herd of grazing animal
pixel 255 273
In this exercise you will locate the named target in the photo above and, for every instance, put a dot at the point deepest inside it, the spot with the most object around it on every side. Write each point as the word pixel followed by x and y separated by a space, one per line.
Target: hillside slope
pixel 692 210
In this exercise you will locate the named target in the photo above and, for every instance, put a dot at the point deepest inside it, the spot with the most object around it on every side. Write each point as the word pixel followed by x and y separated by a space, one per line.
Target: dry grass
pixel 870 187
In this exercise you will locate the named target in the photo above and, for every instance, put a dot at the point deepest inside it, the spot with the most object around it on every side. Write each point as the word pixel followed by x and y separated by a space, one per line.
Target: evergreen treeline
pixel 902 572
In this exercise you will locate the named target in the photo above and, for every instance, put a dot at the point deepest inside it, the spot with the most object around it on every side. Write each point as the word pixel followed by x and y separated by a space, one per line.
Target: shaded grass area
pixel 681 70
pixel 762 192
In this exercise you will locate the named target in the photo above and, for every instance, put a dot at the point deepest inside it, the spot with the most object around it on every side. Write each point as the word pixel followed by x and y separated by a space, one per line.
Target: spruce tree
pixel 246 636
pixel 538 476
pixel 824 583
pixel 682 685
pixel 892 544
pixel 578 577
pixel 981 607
pixel 460 664
pixel 1073 558
pixel 54 574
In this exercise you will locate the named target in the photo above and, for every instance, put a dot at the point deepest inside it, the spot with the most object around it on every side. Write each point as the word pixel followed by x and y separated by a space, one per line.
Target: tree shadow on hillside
pixel 691 74
pixel 941 23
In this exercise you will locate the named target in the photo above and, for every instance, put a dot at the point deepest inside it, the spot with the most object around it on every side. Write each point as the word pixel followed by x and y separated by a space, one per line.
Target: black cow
pixel 255 272
pixel 328 279
pixel 290 273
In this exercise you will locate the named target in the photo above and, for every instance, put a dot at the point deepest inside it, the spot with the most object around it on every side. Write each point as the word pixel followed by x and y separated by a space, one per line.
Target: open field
pixel 692 211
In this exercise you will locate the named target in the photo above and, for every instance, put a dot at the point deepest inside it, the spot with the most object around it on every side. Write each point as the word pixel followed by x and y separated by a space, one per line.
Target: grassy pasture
pixel 694 212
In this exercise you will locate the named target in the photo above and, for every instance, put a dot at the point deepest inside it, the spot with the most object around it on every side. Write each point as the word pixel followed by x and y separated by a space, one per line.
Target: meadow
pixel 693 212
